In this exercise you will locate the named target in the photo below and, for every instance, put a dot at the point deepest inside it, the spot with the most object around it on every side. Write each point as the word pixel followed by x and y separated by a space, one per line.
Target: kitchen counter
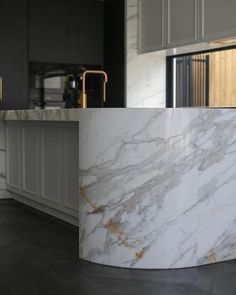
pixel 42 115
pixel 157 186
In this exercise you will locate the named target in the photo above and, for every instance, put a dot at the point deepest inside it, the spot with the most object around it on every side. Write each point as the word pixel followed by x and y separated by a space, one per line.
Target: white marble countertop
pixel 71 115
pixel 42 115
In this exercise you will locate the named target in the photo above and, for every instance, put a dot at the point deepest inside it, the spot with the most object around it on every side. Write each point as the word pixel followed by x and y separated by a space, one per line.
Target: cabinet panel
pixel 63 31
pixel 47 32
pixel 218 19
pixel 14 68
pixel 151 25
pixel 70 169
pixel 43 164
pixel 2 136
pixel 85 32
pixel 13 13
pixel 13 156
pixel 50 164
pixel 30 161
pixel 182 16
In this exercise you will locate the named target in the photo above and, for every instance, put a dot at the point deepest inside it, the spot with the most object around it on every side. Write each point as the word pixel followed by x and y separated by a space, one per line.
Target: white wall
pixel 146 73
pixel 3 192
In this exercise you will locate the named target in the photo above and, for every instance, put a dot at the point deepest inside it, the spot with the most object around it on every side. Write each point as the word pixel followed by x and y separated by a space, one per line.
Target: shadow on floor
pixel 39 256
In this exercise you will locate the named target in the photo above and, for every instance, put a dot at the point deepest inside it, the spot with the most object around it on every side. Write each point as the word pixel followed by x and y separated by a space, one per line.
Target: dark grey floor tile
pixel 39 256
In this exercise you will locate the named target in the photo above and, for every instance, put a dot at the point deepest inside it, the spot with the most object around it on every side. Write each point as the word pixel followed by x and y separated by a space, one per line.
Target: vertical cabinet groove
pixel 174 23
pixel 43 163
pixel 30 167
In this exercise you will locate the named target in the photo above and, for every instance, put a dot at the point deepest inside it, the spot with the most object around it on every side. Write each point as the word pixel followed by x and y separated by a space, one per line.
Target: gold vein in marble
pixel 96 210
pixel 211 257
pixel 114 228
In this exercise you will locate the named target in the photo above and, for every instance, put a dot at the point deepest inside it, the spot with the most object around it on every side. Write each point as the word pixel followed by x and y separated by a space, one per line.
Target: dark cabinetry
pixel 13 68
pixel 114 52
pixel 13 13
pixel 66 31
pixel 13 54
pixel 85 32
pixel 47 30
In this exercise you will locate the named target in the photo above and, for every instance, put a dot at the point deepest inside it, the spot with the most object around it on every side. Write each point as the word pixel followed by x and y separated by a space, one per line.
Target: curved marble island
pixel 157 186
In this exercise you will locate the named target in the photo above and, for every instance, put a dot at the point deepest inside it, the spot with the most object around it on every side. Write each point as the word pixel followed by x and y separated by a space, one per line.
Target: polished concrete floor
pixel 39 256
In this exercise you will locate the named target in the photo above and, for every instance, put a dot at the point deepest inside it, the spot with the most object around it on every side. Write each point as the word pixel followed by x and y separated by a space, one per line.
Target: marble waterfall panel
pixel 157 187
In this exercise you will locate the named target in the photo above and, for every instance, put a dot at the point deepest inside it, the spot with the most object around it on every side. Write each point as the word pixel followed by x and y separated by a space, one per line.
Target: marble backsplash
pixel 157 187
pixel 146 73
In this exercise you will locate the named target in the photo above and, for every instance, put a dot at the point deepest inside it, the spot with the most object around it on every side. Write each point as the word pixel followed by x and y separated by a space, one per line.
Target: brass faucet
pixel 83 97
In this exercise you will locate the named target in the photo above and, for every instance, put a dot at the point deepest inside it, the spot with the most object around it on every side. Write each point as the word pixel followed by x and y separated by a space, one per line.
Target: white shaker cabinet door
pixel 50 156
pixel 70 170
pixel 13 143
pixel 30 160
pixel 151 25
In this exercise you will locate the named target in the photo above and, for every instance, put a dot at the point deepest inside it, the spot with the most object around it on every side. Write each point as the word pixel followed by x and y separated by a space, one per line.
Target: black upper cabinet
pixel 14 54
pixel 13 68
pixel 85 32
pixel 47 30
pixel 13 13
pixel 114 51
pixel 66 31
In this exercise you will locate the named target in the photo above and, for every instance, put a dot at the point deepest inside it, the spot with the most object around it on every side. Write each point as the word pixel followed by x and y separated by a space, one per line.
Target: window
pixel 205 79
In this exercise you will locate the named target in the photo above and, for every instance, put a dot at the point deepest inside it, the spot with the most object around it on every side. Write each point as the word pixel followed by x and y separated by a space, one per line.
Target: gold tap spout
pixel 83 97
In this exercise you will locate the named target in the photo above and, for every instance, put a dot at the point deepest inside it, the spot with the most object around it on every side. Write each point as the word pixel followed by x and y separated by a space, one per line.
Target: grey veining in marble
pixel 157 187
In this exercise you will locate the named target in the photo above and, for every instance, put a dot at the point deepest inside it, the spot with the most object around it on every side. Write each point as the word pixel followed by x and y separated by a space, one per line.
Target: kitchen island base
pixel 156 186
